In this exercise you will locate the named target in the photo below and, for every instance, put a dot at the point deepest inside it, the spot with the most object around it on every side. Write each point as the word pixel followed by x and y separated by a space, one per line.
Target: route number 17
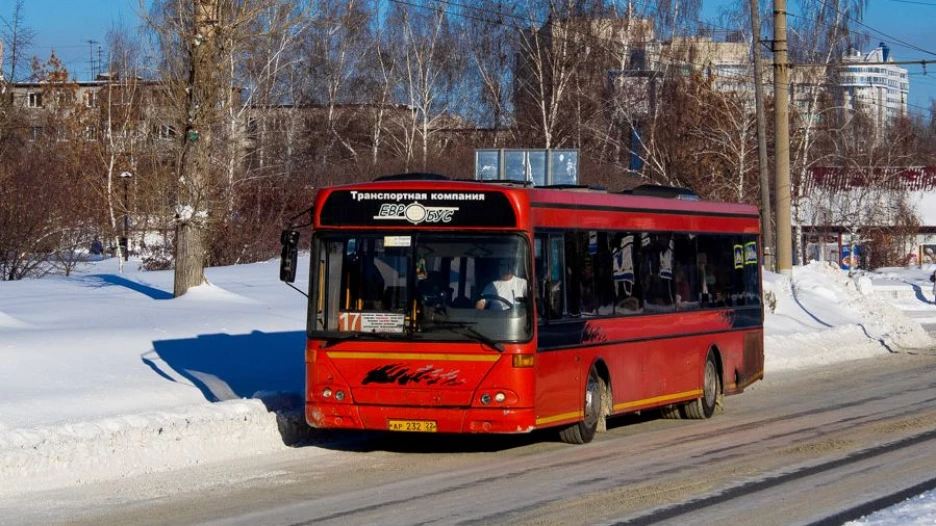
pixel 349 321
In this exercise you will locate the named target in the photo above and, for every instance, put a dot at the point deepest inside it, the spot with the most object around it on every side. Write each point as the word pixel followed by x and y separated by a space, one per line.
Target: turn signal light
pixel 523 360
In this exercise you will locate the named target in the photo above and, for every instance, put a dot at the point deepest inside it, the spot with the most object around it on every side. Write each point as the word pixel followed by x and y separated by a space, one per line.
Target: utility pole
pixel 766 215
pixel 782 140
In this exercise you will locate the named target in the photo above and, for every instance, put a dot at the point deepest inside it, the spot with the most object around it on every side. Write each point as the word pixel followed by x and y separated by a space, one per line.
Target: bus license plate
pixel 420 426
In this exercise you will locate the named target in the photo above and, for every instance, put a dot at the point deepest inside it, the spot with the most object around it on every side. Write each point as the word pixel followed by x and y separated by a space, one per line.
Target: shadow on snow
pixel 226 367
pixel 112 280
pixel 266 366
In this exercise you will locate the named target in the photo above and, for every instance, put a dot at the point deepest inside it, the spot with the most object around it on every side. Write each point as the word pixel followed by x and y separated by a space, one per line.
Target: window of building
pixel 166 132
pixel 34 100
pixel 91 99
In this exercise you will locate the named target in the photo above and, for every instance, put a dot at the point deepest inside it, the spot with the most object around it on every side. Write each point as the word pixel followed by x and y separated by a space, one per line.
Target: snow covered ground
pixel 105 375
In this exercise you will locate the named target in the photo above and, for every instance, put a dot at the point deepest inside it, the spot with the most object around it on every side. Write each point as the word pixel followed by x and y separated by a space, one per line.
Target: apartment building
pixel 724 58
pixel 107 105
pixel 871 82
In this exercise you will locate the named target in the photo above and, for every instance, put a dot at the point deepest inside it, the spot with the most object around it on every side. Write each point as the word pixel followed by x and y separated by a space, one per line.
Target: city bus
pixel 449 306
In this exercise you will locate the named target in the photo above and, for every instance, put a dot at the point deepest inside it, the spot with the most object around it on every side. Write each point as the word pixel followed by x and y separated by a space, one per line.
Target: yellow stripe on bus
pixel 625 405
pixel 556 418
pixel 649 401
pixel 412 356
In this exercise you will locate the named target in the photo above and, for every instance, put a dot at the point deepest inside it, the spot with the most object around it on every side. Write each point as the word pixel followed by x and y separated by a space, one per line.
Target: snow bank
pixel 55 456
pixel 824 316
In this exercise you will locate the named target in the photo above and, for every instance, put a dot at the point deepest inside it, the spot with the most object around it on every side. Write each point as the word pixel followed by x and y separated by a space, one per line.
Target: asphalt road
pixel 820 446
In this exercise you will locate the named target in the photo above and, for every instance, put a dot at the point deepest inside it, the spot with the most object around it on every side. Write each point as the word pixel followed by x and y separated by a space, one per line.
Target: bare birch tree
pixel 549 59
pixel 336 47
pixel 427 69
pixel 383 68
pixel 17 38
pixel 493 26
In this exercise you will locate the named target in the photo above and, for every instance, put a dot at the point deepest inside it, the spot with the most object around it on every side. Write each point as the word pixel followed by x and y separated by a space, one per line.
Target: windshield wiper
pixel 332 340
pixel 472 333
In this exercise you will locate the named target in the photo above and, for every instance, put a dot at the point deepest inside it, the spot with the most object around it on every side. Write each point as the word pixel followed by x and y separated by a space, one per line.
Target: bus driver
pixel 502 293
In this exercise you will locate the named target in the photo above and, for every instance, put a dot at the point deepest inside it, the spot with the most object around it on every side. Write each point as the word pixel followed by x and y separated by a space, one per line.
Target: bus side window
pixel 656 271
pixel 685 272
pixel 587 249
pixel 549 273
pixel 572 273
pixel 752 280
pixel 539 268
pixel 716 264
pixel 624 256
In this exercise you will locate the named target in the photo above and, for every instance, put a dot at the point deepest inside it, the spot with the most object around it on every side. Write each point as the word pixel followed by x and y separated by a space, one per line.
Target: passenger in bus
pixel 722 288
pixel 588 303
pixel 706 279
pixel 503 293
pixel 685 297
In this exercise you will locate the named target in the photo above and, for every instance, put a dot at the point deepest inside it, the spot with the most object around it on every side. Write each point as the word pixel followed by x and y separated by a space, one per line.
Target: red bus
pixel 479 307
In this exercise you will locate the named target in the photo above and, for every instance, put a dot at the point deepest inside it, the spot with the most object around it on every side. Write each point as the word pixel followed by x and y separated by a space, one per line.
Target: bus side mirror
pixel 289 255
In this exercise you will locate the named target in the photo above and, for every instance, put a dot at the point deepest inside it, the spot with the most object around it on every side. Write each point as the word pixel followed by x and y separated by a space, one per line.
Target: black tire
pixel 704 406
pixel 583 432
pixel 671 412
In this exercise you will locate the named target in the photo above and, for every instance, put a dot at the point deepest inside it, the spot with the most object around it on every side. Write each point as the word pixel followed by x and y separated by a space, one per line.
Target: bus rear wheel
pixel 704 406
pixel 583 432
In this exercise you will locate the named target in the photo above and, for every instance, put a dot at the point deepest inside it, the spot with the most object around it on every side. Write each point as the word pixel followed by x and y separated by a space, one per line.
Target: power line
pixel 913 2
pixel 893 38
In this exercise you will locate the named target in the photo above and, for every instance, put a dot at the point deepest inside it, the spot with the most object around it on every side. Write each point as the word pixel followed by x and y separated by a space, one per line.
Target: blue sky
pixel 67 25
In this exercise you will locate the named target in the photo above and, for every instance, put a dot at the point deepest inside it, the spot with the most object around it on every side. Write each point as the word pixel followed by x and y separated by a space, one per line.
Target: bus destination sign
pixel 426 208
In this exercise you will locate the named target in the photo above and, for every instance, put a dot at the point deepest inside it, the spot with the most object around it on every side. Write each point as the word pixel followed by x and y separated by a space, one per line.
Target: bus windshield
pixel 446 287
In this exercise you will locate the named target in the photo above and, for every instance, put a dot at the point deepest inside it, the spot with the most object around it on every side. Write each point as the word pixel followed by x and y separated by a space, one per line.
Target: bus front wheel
pixel 704 406
pixel 583 432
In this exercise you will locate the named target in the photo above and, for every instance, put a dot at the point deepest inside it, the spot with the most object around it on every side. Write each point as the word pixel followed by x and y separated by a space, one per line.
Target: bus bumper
pixel 447 420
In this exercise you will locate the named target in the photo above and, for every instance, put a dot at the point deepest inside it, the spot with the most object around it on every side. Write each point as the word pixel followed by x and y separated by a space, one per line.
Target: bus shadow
pixel 269 367
pixel 229 367
pixel 632 419
pixel 429 443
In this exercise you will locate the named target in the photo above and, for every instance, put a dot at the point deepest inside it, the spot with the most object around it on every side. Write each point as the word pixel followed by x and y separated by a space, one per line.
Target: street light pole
pixel 126 176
